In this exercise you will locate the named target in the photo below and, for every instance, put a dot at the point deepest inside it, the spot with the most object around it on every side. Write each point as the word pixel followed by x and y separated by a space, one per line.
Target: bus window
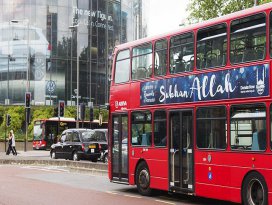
pixel 122 67
pixel 211 127
pixel 182 53
pixel 212 47
pixel 248 39
pixel 141 128
pixel 160 57
pixel 248 127
pixel 142 62
pixel 160 128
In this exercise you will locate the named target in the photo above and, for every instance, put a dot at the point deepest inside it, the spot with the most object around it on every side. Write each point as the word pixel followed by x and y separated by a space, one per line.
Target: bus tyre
pixel 75 156
pixel 254 190
pixel 143 179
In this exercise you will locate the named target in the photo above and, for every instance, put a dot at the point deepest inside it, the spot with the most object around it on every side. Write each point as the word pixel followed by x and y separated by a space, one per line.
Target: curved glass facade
pixel 40 41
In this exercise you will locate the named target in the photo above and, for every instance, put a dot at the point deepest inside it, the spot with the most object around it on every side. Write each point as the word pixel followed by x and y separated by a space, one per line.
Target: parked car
pixel 77 144
pixel 101 136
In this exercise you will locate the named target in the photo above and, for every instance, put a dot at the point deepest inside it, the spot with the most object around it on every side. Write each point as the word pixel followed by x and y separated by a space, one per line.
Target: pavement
pixel 41 157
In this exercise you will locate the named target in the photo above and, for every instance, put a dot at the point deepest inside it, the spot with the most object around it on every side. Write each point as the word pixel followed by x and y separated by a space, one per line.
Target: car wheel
pixel 143 179
pixel 94 160
pixel 53 155
pixel 254 190
pixel 106 158
pixel 75 156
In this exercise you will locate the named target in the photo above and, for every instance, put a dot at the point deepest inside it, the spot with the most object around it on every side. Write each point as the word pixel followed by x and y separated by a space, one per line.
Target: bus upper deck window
pixel 212 47
pixel 142 62
pixel 248 39
pixel 182 53
pixel 160 57
pixel 122 67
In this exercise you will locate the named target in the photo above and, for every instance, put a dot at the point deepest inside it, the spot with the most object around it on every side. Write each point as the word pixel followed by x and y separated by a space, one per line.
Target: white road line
pixel 166 202
pixel 133 196
pixel 46 169
pixel 111 192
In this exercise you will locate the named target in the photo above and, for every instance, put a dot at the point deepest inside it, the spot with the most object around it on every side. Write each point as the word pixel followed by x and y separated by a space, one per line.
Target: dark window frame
pixel 247 53
pixel 224 51
pixel 153 125
pixel 166 57
pixel 225 144
pixel 140 142
pixel 144 73
pixel 120 60
pixel 191 60
pixel 245 148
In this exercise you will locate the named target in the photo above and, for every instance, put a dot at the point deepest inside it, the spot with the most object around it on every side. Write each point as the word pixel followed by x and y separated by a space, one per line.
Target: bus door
pixel 181 150
pixel 119 148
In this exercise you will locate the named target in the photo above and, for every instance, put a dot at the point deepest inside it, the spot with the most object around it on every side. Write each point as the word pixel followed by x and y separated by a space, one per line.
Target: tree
pixel 207 9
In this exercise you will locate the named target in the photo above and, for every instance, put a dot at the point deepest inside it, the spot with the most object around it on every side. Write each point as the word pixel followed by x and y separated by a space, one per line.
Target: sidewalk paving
pixel 41 157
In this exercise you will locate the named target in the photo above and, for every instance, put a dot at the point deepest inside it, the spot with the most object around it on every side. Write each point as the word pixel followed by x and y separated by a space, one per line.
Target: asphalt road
pixel 28 184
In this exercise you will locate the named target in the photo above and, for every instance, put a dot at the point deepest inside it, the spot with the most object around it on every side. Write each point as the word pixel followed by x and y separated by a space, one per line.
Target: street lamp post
pixel 27 110
pixel 75 28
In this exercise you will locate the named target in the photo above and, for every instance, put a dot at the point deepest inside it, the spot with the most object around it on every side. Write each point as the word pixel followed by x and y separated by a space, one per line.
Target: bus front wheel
pixel 143 179
pixel 254 190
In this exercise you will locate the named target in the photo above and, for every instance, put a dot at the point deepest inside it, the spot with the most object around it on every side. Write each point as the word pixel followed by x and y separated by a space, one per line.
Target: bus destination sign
pixel 252 81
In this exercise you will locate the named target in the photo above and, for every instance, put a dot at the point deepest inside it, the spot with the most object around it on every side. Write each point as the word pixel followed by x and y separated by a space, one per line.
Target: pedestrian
pixel 14 152
pixel 10 149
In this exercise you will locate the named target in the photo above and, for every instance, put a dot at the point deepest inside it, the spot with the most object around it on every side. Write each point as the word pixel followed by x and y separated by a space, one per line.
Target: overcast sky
pixel 166 15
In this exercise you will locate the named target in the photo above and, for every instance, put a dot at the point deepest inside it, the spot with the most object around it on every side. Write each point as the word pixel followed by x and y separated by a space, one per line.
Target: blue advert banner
pixel 252 81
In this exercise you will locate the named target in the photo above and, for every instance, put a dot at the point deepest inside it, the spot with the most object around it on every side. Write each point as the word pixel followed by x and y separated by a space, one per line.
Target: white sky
pixel 166 15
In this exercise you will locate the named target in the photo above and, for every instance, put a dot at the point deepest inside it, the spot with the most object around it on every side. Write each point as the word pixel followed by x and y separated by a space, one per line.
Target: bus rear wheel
pixel 143 179
pixel 254 190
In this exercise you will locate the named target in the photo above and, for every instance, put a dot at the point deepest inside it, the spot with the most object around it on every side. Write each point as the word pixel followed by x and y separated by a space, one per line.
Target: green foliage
pixel 207 9
pixel 17 114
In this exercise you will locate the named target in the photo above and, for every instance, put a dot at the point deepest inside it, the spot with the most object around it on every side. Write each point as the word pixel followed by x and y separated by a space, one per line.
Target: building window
pixel 248 127
pixel 141 131
pixel 142 62
pixel 182 53
pixel 248 39
pixel 211 127
pixel 212 47
pixel 160 128
pixel 122 67
pixel 160 57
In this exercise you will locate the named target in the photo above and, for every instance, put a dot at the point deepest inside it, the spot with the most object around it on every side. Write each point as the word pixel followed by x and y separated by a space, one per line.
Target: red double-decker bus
pixel 190 111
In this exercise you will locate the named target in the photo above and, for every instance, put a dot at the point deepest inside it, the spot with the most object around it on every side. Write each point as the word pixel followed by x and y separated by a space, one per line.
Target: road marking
pixel 133 196
pixel 111 192
pixel 47 169
pixel 166 202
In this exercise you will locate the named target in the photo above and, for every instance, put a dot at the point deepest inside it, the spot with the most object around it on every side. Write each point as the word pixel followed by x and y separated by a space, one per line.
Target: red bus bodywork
pixel 217 174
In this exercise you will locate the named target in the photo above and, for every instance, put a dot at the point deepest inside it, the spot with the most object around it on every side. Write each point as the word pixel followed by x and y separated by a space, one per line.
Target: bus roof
pixel 202 24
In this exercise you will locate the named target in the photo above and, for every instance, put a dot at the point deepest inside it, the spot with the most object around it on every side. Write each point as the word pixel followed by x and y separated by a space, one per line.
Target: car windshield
pixel 99 136
pixel 87 136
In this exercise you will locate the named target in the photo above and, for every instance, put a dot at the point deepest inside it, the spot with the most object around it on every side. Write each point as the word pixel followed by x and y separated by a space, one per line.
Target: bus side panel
pixel 220 175
pixel 157 162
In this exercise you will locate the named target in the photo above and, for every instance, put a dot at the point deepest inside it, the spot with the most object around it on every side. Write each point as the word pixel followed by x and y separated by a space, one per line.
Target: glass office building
pixel 45 43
